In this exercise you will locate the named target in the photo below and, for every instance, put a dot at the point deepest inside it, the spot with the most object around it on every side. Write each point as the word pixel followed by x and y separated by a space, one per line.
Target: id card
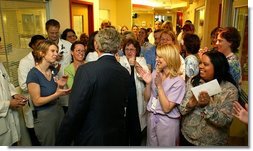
pixel 154 103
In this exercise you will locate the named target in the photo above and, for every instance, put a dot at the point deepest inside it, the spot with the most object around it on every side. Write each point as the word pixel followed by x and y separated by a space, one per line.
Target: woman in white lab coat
pixel 136 106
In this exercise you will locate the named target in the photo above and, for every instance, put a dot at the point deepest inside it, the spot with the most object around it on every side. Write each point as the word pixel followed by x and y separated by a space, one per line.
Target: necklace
pixel 45 73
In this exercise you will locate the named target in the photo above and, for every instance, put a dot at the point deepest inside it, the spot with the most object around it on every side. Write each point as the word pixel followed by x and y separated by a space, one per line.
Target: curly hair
pixel 136 45
pixel 232 35
pixel 108 40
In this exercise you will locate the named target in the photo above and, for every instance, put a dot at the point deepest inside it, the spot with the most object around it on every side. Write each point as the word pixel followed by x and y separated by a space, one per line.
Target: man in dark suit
pixel 96 114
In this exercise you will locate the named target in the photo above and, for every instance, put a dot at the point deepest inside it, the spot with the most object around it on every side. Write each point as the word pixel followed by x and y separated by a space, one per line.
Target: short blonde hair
pixel 171 56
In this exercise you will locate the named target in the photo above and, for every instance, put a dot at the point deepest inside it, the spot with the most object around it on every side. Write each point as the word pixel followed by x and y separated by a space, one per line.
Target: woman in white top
pixel 91 54
pixel 136 106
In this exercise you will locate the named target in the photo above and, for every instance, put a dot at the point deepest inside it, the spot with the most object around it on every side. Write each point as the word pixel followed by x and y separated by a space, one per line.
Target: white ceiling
pixel 164 4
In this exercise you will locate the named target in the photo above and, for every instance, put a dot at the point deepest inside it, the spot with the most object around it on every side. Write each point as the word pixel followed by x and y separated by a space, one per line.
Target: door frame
pixel 89 5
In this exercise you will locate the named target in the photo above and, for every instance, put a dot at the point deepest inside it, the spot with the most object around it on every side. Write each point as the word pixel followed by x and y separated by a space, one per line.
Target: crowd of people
pixel 124 88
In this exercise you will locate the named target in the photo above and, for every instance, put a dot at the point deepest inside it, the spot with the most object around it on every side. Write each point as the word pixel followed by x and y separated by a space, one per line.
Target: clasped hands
pixel 203 100
pixel 18 101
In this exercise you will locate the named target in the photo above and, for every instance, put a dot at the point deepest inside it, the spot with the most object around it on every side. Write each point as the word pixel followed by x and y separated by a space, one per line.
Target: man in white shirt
pixel 158 25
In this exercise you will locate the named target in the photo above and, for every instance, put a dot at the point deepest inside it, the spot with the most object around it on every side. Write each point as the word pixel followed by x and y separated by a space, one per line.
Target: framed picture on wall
pixel 28 23
pixel 38 24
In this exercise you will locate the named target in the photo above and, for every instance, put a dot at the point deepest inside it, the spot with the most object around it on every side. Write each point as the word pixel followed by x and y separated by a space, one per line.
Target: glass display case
pixel 19 21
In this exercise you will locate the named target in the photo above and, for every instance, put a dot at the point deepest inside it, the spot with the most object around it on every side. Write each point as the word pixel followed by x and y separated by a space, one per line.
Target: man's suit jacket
pixel 96 114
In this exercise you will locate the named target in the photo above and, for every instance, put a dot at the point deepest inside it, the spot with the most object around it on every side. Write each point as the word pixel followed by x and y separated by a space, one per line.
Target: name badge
pixel 154 103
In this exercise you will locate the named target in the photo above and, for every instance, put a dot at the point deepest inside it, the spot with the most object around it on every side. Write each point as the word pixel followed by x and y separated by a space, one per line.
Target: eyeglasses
pixel 80 50
pixel 130 50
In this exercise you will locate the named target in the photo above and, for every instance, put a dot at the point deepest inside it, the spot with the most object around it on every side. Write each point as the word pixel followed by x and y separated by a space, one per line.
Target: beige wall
pixel 119 12
pixel 124 13
pixel 148 19
pixel 211 20
pixel 59 10
pixel 110 6
pixel 189 13
pixel 95 12
pixel 63 15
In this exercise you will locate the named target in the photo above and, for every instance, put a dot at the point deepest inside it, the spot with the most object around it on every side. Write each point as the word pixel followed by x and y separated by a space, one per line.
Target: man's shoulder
pixel 88 66
pixel 151 49
pixel 65 42
pixel 150 52
pixel 27 59
pixel 104 63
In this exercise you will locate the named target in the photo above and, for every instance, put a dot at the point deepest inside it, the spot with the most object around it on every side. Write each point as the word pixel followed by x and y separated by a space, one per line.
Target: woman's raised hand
pixel 145 75
pixel 62 81
pixel 240 112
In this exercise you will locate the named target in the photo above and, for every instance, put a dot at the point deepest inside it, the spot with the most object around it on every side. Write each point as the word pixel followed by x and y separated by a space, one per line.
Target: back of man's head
pixel 108 40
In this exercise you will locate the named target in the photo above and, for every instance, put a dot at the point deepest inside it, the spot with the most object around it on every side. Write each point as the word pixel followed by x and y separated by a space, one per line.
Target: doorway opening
pixel 81 17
